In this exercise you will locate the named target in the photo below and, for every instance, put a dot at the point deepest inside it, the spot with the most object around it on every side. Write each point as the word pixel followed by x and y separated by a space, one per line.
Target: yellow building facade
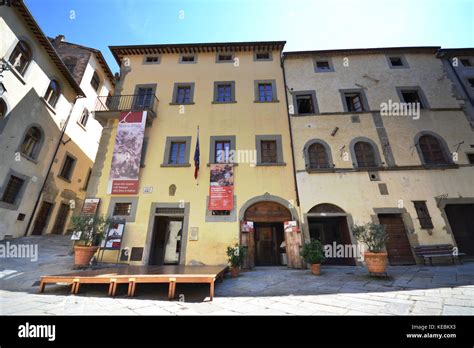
pixel 234 93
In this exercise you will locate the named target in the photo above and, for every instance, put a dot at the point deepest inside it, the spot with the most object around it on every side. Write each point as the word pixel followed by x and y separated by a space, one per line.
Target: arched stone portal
pixel 267 243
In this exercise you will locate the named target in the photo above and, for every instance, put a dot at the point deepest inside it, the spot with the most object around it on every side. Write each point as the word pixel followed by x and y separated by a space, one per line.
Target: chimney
pixel 58 39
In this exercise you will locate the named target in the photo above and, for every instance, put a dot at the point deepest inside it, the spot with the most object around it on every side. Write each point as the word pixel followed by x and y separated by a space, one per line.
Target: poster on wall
pixel 123 178
pixel 291 226
pixel 221 190
pixel 114 236
pixel 90 207
pixel 247 226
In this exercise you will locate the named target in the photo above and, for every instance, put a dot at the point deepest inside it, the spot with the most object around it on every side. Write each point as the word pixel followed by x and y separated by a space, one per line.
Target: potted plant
pixel 375 238
pixel 92 231
pixel 236 256
pixel 313 253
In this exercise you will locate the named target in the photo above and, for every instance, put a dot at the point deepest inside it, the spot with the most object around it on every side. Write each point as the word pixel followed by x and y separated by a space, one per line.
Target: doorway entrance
pixel 42 218
pixel 268 241
pixel 462 227
pixel 398 246
pixel 166 241
pixel 61 219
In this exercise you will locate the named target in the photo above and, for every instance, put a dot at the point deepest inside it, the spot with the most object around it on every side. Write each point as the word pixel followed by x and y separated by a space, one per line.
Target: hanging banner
pixel 221 191
pixel 126 157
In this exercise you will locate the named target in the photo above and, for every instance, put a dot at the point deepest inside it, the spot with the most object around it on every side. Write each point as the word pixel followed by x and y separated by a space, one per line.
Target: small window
pixel 177 152
pixel 21 57
pixel 269 151
pixel 354 102
pixel 365 155
pixel 304 104
pixel 84 118
pixel 95 82
pixel 466 62
pixel 122 209
pixel 470 158
pixel 31 143
pixel 222 151
pixel 152 59
pixel 224 93
pixel 68 167
pixel 423 214
pixel 432 150
pixel 225 57
pixel 88 179
pixel 12 189
pixel 183 95
pixel 52 93
pixel 70 63
pixel 323 65
pixel 265 92
pixel 187 58
pixel 412 97
pixel 318 157
pixel 397 62
pixel 471 82
pixel 263 56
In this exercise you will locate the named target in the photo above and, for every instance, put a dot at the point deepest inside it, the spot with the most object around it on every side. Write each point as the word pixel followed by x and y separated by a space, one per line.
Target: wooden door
pixel 265 248
pixel 42 218
pixel 460 217
pixel 61 219
pixel 398 246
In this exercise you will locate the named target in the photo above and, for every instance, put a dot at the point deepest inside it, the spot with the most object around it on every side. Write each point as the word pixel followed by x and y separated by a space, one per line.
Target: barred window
pixel 365 155
pixel 423 214
pixel 12 189
pixel 318 157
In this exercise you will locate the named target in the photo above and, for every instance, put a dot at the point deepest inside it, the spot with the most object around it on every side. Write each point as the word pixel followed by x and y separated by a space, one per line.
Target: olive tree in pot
pixel 92 230
pixel 236 256
pixel 375 238
pixel 313 253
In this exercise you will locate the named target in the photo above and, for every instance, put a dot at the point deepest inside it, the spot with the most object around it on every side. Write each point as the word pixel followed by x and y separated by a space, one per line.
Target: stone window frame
pixel 133 210
pixel 144 62
pixel 232 217
pixel 212 145
pixel 402 58
pixel 274 91
pixel 232 92
pixel 378 158
pixel 22 77
pixel 175 92
pixel 180 61
pixel 323 58
pixel 35 158
pixel 69 180
pixel 13 206
pixel 363 99
pixel 444 147
pixel 328 154
pixel 269 137
pixel 225 61
pixel 312 93
pixel 255 59
pixel 187 152
pixel 417 89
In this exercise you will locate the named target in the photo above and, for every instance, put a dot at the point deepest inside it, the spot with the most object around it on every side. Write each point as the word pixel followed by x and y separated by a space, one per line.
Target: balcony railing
pixel 133 102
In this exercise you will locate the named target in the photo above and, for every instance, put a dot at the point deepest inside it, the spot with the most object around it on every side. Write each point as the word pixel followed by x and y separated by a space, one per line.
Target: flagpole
pixel 197 142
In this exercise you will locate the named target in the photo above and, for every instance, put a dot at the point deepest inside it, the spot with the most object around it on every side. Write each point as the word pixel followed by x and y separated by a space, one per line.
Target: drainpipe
pixel 291 133
pixel 63 131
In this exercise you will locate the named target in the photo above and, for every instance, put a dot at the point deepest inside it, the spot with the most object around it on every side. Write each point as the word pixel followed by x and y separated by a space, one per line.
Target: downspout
pixel 291 132
pixel 63 131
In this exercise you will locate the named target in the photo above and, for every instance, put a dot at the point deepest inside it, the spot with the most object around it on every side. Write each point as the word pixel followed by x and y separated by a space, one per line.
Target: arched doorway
pixel 265 242
pixel 328 223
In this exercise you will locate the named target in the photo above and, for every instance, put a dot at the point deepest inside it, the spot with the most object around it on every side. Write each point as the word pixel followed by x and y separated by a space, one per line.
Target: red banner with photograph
pixel 221 190
pixel 127 153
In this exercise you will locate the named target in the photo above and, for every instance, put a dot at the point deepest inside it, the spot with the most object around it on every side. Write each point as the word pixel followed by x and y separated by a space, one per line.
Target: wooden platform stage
pixel 133 275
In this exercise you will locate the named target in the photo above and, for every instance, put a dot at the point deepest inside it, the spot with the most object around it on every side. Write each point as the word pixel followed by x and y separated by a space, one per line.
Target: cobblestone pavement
pixel 409 290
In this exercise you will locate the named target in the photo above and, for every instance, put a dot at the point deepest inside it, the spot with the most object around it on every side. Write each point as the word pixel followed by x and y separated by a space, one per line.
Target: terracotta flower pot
pixel 83 254
pixel 234 272
pixel 376 262
pixel 316 268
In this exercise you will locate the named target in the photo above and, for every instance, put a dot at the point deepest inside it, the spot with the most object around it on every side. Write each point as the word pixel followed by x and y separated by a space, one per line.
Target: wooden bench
pixel 133 275
pixel 437 250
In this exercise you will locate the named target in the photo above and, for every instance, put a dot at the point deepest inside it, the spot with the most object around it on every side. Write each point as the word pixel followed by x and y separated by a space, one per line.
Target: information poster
pixel 221 191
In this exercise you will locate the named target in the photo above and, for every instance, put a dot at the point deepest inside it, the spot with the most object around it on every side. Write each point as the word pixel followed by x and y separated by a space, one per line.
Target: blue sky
pixel 304 24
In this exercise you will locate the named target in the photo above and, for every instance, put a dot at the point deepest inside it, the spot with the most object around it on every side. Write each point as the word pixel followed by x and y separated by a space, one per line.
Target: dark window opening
pixel 144 98
pixel 84 118
pixel 471 82
pixel 153 59
pixel 323 65
pixel 354 102
pixel 52 93
pixel 31 142
pixel 224 57
pixel 183 95
pixel 3 109
pixel 21 57
pixel 12 190
pixel 88 178
pixel 304 103
pixel 188 58
pixel 423 214
pixel 269 151
pixel 412 97
pixel 263 56
pixel 122 209
pixel 396 61
pixel 470 158
pixel 95 82
pixel 466 62
pixel 177 151
pixel 68 166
